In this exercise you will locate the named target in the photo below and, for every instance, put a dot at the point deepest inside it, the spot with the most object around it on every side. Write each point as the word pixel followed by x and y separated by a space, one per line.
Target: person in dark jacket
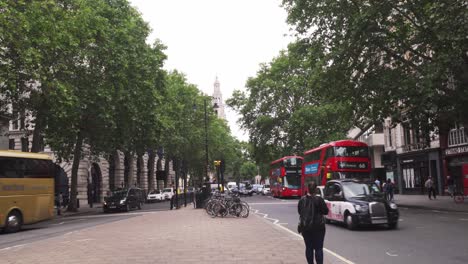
pixel 311 210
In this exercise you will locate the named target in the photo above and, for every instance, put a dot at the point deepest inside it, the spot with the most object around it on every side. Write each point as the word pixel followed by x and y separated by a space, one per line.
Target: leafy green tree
pixel 283 109
pixel 402 59
pixel 248 170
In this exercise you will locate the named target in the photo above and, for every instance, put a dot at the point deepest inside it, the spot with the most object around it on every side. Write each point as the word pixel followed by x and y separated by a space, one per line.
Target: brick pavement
pixel 182 236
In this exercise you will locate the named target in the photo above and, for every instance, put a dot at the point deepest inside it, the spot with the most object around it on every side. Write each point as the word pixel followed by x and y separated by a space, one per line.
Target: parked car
pixel 124 200
pixel 155 196
pixel 357 203
pixel 257 188
pixel 266 189
pixel 168 193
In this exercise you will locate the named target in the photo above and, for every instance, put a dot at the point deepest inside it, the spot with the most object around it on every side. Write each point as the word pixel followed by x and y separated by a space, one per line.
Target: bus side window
pixel 8 168
pixel 35 168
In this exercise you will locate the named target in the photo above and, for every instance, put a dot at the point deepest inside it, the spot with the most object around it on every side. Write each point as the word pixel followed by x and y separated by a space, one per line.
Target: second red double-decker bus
pixel 285 177
pixel 336 160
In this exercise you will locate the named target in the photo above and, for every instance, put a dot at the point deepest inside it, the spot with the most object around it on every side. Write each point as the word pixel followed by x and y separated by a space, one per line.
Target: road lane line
pixel 336 255
pixel 272 203
pixel 13 247
pixel 391 255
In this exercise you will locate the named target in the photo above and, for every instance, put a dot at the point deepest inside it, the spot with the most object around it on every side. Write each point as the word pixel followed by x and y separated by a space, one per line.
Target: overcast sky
pixel 224 38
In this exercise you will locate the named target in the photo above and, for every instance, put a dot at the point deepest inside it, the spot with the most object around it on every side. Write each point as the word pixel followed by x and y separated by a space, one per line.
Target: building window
pixel 457 136
pixel 25 144
pixel 11 144
pixel 390 143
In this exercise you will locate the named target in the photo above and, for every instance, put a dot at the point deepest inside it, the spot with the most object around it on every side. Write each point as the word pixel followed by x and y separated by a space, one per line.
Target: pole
pixel 185 185
pixel 177 185
pixel 206 143
pixel 218 180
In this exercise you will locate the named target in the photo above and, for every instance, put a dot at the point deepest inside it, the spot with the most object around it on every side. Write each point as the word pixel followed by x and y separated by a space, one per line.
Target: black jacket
pixel 311 211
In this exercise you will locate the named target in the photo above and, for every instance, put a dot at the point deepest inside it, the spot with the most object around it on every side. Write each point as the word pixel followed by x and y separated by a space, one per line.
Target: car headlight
pixel 361 208
pixel 122 201
pixel 393 206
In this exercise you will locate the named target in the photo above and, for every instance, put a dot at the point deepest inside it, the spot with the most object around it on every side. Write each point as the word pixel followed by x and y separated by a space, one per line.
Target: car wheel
pixel 350 221
pixel 13 222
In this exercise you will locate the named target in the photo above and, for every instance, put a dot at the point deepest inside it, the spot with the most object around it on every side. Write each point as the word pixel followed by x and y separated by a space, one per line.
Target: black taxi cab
pixel 355 203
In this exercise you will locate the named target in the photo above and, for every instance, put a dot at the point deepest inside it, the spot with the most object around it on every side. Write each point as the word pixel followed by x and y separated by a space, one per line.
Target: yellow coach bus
pixel 26 189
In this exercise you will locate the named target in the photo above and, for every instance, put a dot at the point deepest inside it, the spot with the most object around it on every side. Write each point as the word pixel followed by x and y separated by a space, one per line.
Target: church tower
pixel 218 100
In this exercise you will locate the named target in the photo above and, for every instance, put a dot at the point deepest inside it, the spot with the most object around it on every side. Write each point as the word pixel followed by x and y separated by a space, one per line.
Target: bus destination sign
pixel 352 165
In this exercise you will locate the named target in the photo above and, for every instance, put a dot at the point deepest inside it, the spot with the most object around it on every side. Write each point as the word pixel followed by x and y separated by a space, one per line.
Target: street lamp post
pixel 215 106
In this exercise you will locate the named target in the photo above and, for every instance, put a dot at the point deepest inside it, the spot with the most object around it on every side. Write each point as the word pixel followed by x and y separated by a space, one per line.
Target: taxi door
pixel 335 202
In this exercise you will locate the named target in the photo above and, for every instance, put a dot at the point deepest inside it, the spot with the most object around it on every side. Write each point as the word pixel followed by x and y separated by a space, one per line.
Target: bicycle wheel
pixel 245 211
pixel 235 210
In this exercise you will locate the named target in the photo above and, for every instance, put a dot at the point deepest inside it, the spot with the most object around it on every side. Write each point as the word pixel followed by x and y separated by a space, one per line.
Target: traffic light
pixel 217 163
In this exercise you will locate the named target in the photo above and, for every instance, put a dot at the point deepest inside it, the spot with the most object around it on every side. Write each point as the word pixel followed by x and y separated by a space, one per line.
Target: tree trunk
pixel 39 125
pixel 151 160
pixel 72 205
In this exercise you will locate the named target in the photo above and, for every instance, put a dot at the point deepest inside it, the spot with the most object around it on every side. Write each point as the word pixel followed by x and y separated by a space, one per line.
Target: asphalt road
pixel 72 223
pixel 423 236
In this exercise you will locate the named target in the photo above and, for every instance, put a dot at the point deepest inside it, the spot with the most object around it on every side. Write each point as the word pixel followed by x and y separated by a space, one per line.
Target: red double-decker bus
pixel 285 177
pixel 336 160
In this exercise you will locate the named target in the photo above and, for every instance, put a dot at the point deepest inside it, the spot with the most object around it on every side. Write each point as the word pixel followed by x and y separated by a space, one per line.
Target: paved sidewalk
pixel 442 203
pixel 84 209
pixel 179 236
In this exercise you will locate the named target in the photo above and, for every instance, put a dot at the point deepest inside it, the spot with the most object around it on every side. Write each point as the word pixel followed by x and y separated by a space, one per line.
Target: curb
pixel 443 209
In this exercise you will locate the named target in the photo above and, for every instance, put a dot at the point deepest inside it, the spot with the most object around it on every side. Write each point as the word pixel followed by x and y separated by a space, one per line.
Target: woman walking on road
pixel 311 210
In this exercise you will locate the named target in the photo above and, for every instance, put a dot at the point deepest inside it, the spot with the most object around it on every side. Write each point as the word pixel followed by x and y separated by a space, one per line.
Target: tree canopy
pixel 402 59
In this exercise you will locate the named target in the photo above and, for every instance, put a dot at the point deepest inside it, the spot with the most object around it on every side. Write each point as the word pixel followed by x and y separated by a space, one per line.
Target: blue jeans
pixel 314 242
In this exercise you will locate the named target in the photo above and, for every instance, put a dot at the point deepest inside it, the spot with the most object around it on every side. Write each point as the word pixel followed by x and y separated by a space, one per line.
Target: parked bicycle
pixel 223 204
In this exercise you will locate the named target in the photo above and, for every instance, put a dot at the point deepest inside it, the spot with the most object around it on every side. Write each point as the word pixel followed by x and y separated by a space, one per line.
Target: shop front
pixel 456 159
pixel 416 167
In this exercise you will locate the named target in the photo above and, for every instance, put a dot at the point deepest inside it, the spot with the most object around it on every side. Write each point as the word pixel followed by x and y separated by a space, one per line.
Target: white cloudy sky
pixel 224 38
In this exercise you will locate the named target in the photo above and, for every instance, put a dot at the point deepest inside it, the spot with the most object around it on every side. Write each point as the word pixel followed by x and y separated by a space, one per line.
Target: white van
pixel 231 185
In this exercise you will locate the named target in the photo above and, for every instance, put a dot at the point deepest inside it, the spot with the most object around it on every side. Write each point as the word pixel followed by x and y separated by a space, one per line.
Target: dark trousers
pixel 314 243
pixel 431 191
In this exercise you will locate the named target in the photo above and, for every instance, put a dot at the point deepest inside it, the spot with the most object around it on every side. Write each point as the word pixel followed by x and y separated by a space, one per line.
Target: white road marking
pixel 13 247
pixel 272 203
pixel 61 223
pixel 400 220
pixel 276 223
pixel 86 239
pixel 392 255
pixel 463 219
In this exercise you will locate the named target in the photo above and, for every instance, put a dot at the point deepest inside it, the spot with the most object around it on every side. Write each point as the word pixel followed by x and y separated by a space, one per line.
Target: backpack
pixel 308 219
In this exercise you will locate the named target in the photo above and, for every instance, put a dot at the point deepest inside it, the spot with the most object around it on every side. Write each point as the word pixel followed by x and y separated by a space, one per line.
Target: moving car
pixel 266 189
pixel 155 196
pixel 168 193
pixel 357 203
pixel 124 200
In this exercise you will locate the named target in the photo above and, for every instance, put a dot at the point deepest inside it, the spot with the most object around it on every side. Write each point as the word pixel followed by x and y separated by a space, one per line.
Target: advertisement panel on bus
pixel 341 159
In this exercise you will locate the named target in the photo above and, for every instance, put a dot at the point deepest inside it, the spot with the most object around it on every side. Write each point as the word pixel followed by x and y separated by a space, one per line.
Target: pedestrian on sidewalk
pixel 429 184
pixel 450 185
pixel 377 182
pixel 59 203
pixel 311 210
pixel 90 195
pixel 389 190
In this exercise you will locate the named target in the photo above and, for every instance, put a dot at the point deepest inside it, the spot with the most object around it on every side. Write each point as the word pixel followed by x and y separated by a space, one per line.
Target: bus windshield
pixel 351 151
pixel 292 181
